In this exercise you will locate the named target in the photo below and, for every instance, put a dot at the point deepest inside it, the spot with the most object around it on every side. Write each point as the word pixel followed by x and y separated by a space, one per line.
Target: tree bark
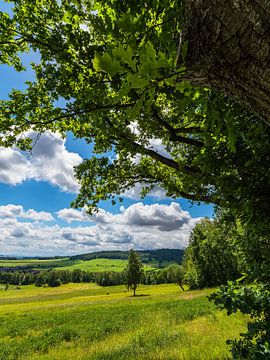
pixel 228 49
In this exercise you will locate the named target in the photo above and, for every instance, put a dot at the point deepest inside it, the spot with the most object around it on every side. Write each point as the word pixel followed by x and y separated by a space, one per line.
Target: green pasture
pixel 160 264
pixel 94 265
pixel 100 265
pixel 34 263
pixel 85 321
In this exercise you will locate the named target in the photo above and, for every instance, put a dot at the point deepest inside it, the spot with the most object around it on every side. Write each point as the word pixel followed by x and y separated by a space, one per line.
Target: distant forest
pixel 160 255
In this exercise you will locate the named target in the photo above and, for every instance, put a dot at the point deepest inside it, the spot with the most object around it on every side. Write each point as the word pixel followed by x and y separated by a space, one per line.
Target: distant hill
pixel 159 257
pixel 152 258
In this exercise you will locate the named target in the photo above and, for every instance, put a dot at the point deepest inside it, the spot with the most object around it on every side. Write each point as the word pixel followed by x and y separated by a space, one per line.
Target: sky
pixel 37 188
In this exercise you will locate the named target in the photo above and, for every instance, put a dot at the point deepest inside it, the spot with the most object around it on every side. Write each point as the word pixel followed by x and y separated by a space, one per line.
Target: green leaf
pixel 107 64
pixel 124 56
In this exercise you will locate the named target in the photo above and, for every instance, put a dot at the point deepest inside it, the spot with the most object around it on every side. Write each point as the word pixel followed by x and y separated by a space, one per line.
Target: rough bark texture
pixel 229 49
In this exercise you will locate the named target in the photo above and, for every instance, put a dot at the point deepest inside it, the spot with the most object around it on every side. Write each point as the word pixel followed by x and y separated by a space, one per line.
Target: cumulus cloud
pixel 134 193
pixel 14 167
pixel 71 215
pixel 49 161
pixel 139 226
pixel 165 218
pixel 17 211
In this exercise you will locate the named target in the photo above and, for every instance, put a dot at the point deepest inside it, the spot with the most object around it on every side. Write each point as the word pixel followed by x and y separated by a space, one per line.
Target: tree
pixel 228 49
pixel 175 274
pixel 53 279
pixel 40 280
pixel 77 276
pixel 127 89
pixel 212 256
pixel 133 271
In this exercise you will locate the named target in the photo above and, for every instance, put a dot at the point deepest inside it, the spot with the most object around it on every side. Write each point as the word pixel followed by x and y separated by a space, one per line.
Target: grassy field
pixel 99 265
pixel 95 265
pixel 85 321
pixel 34 263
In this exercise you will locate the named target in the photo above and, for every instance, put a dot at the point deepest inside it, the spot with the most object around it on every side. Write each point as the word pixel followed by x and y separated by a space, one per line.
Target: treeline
pixel 146 256
pixel 170 274
pixel 42 278
pixel 57 277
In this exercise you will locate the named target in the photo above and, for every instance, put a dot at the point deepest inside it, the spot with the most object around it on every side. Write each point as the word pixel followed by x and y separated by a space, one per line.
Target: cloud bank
pixel 139 226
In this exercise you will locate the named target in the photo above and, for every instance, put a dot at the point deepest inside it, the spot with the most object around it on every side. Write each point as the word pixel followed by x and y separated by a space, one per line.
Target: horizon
pixel 70 256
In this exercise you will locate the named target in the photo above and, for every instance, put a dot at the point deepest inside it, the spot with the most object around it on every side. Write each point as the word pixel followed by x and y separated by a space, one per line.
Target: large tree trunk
pixel 229 49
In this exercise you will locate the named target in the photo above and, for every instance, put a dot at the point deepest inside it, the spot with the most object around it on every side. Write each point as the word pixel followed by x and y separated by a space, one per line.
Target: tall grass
pixel 108 323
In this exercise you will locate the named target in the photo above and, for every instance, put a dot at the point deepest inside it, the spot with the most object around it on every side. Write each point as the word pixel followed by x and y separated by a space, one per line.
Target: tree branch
pixel 82 112
pixel 173 135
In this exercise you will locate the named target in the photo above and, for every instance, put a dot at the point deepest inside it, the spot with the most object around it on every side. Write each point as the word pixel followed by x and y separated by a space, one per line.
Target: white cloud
pixel 38 215
pixel 164 217
pixel 14 167
pixel 138 226
pixel 50 161
pixel 10 211
pixel 134 193
pixel 17 211
pixel 71 215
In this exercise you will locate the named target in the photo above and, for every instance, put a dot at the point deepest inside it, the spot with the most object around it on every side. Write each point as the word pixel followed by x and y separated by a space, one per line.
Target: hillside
pixel 94 262
pixel 159 257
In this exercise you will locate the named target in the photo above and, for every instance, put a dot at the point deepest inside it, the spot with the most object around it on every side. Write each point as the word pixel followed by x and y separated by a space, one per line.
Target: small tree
pixel 133 271
pixel 176 274
pixel 53 279
pixel 40 280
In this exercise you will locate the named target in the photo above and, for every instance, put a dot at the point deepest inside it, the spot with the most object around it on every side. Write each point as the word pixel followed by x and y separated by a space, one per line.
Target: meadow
pixel 34 263
pixel 85 321
pixel 94 265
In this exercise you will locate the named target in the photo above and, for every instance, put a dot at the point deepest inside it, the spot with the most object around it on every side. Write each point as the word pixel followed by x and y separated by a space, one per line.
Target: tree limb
pixel 173 135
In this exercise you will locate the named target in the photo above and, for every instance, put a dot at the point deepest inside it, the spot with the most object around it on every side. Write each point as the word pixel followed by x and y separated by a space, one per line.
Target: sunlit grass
pixel 97 265
pixel 85 321
pixel 94 265
pixel 33 262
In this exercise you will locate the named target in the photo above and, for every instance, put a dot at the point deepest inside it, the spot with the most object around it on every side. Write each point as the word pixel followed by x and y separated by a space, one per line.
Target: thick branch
pixel 166 161
pixel 204 198
pixel 193 197
pixel 153 154
pixel 173 135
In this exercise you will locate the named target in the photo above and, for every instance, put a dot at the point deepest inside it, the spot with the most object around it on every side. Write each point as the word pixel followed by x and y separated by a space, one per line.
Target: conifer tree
pixel 133 271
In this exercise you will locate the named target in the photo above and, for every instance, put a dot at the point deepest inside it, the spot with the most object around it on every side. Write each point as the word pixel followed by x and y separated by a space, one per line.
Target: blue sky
pixel 36 192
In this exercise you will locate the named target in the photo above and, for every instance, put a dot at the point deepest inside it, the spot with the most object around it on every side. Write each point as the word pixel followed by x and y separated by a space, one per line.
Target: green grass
pixel 97 265
pixel 94 265
pixel 85 321
pixel 162 264
pixel 34 263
